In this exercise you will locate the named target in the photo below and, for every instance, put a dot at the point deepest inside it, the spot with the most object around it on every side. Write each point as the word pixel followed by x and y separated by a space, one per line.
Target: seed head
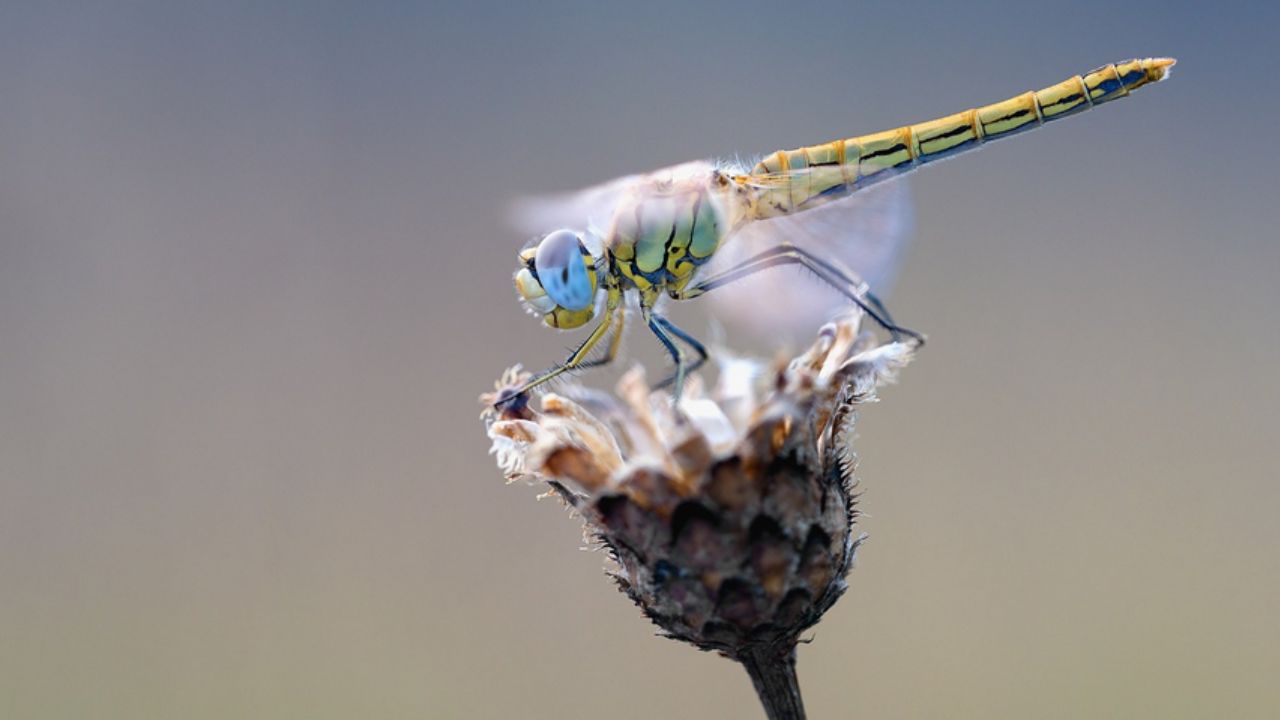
pixel 730 516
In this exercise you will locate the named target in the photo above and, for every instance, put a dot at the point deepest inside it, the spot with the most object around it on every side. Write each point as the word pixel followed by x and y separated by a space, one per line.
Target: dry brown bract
pixel 730 518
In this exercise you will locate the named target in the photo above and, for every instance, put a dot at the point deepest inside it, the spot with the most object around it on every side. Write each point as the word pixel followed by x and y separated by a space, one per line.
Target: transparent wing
pixel 578 210
pixel 866 232
pixel 592 208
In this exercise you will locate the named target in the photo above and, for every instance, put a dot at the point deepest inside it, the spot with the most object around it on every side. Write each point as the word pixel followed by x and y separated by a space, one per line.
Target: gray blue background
pixel 253 274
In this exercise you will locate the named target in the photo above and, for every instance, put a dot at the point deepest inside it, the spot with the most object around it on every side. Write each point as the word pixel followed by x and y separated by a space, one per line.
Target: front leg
pixel 579 357
pixel 615 342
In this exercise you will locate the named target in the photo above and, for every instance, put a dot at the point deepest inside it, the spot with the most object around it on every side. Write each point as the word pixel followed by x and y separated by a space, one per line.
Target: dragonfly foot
pixel 511 401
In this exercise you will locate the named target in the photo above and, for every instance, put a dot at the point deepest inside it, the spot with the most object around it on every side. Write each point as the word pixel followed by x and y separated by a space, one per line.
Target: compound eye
pixel 562 270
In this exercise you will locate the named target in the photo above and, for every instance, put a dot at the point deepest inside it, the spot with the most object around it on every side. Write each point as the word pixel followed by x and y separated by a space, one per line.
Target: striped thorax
pixel 659 230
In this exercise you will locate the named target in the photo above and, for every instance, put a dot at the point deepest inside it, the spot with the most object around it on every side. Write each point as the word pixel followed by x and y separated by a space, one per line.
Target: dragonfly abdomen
pixel 791 180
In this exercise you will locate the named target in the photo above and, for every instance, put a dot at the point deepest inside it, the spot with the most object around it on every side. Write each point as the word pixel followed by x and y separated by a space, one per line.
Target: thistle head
pixel 729 517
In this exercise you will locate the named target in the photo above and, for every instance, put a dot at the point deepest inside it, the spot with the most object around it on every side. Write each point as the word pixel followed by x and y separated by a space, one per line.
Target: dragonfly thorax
pixel 667 230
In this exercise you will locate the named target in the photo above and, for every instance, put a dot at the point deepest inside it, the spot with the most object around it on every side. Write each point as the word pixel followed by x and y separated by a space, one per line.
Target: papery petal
pixel 592 433
pixel 877 366
pixel 712 422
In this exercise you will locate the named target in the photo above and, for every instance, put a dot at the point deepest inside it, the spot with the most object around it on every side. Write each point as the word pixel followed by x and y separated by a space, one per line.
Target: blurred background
pixel 254 273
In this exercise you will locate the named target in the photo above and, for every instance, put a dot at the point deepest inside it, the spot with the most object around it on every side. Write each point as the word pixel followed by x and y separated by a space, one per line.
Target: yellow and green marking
pixel 672 223
pixel 792 180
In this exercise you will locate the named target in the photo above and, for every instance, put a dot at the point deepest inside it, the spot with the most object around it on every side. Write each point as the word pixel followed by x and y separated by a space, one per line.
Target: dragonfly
pixel 653 236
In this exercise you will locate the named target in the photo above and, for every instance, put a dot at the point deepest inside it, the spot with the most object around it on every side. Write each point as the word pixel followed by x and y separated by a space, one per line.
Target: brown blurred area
pixel 254 273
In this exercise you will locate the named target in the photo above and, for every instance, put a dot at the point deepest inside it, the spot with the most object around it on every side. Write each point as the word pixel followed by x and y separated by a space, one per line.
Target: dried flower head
pixel 730 517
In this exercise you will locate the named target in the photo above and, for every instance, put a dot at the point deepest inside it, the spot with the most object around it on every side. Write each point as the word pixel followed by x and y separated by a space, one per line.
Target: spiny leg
pixel 578 358
pixel 659 328
pixel 861 294
pixel 688 340
pixel 615 342
pixel 879 306
pixel 788 254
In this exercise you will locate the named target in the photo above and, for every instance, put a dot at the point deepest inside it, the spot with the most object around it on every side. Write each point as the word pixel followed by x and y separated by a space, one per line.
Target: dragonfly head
pixel 557 279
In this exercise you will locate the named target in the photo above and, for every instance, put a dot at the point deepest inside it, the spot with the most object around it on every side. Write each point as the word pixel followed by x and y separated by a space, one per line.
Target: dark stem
pixel 773 672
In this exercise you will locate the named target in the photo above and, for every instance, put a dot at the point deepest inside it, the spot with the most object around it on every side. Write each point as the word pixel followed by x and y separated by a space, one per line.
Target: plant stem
pixel 773 672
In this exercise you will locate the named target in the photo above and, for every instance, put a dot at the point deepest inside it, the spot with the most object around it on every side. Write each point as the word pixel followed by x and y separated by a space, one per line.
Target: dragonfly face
pixel 557 279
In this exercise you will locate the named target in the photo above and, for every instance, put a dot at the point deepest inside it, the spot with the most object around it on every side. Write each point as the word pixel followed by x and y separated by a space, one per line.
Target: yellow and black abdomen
pixel 792 180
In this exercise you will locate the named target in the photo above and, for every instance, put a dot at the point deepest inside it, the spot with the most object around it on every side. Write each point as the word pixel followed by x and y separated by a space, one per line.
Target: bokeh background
pixel 254 273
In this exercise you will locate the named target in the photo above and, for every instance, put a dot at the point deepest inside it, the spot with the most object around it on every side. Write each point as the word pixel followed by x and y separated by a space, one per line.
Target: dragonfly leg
pixel 689 340
pixel 839 278
pixel 879 306
pixel 579 357
pixel 667 334
pixel 615 342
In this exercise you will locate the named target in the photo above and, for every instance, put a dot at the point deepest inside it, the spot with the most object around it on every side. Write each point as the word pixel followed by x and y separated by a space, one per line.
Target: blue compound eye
pixel 562 270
